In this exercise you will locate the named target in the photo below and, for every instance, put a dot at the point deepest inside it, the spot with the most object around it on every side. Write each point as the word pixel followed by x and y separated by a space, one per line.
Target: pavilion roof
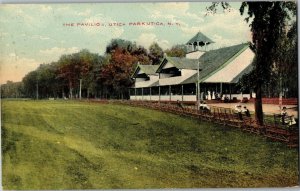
pixel 200 37
pixel 215 60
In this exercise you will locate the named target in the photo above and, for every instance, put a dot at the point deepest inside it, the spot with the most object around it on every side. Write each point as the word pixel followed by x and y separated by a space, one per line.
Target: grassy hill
pixel 80 145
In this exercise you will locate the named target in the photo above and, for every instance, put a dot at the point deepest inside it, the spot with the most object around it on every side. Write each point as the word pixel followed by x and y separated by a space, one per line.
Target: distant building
pixel 176 78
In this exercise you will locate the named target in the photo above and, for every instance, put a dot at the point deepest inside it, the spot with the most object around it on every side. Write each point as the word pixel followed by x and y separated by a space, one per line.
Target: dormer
pixel 144 72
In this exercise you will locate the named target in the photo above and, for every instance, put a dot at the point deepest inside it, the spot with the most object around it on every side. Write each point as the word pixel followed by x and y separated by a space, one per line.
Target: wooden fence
pixel 273 128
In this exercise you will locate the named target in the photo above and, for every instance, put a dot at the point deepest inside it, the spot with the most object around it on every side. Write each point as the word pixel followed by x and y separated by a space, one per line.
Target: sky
pixel 33 34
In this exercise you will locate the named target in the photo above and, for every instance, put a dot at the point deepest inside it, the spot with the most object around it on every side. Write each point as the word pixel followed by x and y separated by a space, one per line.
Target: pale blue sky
pixel 34 34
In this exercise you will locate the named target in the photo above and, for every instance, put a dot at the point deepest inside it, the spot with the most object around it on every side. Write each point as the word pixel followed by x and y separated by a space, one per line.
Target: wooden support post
pixel 196 94
pixel 37 90
pixel 150 93
pixel 230 91
pixel 159 94
pixel 221 88
pixel 170 98
pixel 182 92
pixel 80 82
pixel 143 94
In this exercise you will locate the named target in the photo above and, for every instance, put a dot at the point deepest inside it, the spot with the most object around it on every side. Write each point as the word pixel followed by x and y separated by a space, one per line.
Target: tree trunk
pixel 258 105
pixel 71 93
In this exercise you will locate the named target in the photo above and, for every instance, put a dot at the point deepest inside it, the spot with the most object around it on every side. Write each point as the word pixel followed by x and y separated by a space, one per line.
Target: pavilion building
pixel 177 78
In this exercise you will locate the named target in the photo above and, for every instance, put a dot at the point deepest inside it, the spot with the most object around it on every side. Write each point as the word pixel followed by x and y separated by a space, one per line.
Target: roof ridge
pixel 246 43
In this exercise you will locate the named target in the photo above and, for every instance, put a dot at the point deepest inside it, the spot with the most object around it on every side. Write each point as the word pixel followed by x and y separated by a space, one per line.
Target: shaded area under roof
pixel 200 37
pixel 215 60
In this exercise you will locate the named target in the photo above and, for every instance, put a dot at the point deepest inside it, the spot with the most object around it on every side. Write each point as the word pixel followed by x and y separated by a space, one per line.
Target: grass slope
pixel 77 145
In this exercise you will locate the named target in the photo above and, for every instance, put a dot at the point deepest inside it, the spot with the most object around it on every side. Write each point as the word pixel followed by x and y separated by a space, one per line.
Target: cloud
pixel 177 7
pixel 85 13
pixel 3 34
pixel 59 51
pixel 146 39
pixel 12 55
pixel 45 8
pixel 226 28
pixel 15 69
pixel 40 37
pixel 175 12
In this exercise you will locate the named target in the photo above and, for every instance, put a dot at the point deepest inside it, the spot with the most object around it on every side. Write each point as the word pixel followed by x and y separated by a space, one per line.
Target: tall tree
pixel 116 74
pixel 156 53
pixel 268 21
pixel 30 82
pixel 122 44
pixel 177 51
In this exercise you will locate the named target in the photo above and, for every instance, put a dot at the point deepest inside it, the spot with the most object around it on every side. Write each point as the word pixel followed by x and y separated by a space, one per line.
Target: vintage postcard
pixel 149 95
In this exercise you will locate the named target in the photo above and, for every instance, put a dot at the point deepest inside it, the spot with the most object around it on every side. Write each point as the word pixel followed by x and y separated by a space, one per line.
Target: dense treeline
pixel 107 76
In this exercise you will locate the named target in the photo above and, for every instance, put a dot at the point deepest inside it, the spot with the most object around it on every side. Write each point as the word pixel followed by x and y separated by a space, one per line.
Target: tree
pixel 122 44
pixel 82 65
pixel 156 53
pixel 177 51
pixel 141 54
pixel 30 84
pixel 130 47
pixel 268 21
pixel 12 90
pixel 116 74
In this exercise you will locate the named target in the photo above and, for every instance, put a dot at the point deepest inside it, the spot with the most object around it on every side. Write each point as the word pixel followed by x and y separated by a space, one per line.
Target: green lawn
pixel 79 145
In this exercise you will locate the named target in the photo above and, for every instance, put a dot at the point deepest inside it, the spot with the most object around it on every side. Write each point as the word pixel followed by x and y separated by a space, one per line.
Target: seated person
pixel 204 106
pixel 238 110
pixel 292 121
pixel 246 111
pixel 283 115
pixel 179 104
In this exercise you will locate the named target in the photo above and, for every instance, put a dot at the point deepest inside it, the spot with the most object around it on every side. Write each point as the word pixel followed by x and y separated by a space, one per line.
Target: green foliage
pixel 78 145
pixel 121 44
pixel 156 53
pixel 116 75
pixel 177 51
pixel 30 82
pixel 61 78
pixel 12 90
pixel 269 22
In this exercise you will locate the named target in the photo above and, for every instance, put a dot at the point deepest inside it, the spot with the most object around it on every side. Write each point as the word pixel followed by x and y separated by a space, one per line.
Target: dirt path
pixel 267 108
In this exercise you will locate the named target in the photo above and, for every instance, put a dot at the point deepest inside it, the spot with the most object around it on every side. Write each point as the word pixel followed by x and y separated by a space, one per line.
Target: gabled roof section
pixel 145 69
pixel 214 60
pixel 180 63
pixel 200 37
pixel 184 63
pixel 149 69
